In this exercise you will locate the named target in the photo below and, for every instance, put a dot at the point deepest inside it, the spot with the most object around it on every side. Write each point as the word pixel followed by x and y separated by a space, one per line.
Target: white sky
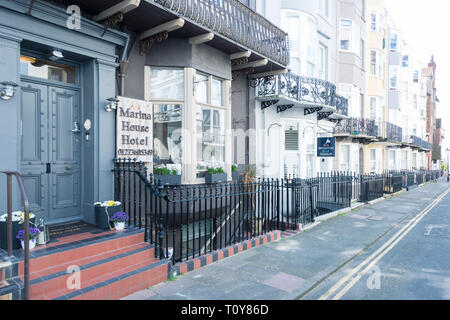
pixel 425 25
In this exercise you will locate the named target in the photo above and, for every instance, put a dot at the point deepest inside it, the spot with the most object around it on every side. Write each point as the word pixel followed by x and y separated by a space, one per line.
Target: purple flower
pixel 119 217
pixel 33 234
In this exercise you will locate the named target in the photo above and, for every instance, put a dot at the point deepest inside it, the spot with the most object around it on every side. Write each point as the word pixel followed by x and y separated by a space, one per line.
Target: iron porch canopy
pixel 236 28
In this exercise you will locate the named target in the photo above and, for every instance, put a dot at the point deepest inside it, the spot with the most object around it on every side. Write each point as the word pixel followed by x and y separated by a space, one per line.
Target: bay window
pixel 210 124
pixel 191 114
pixel 376 63
pixel 346 35
pixel 167 92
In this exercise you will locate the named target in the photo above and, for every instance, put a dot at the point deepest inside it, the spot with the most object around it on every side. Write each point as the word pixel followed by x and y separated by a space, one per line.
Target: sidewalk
pixel 288 268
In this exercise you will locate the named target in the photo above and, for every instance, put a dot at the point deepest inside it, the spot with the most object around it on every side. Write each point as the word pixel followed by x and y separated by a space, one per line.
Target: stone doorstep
pixel 209 258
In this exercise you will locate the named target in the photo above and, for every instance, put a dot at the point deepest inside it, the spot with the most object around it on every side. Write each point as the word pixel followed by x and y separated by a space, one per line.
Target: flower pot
pixel 171 180
pixel 235 175
pixel 32 244
pixel 16 227
pixel 102 215
pixel 119 226
pixel 215 178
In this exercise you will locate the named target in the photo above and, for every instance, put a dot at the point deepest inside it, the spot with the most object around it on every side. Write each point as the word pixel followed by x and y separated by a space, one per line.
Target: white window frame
pixel 323 62
pixel 342 165
pixel 393 73
pixel 396 44
pixel 377 22
pixel 351 29
pixel 379 60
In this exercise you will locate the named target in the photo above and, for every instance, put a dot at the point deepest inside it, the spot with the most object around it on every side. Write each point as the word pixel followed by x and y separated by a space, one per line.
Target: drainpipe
pixel 123 67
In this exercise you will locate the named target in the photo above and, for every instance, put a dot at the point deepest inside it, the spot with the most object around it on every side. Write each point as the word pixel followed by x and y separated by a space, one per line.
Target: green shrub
pixel 234 168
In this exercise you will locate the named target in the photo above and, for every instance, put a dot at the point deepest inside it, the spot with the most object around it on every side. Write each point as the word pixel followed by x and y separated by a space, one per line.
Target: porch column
pixel 10 113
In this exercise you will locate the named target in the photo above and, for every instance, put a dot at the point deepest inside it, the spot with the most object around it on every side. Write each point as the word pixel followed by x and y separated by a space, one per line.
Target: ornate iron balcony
pixel 357 127
pixel 309 92
pixel 233 20
pixel 393 133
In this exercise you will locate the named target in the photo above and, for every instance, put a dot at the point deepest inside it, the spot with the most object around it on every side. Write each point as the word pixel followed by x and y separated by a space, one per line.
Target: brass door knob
pixel 69 167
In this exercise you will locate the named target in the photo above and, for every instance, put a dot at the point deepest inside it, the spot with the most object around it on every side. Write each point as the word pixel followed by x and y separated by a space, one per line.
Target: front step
pixel 111 265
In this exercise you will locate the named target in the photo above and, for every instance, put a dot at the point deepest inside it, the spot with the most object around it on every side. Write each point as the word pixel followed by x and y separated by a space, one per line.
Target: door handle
pixel 76 128
pixel 49 168
pixel 69 167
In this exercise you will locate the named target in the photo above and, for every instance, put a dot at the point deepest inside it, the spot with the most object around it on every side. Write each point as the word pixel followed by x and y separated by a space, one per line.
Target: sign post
pixel 134 123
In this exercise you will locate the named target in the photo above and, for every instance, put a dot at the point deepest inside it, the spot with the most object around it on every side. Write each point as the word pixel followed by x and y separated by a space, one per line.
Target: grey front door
pixel 50 151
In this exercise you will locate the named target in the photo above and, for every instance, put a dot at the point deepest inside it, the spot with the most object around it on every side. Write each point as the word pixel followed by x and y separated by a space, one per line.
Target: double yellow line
pixel 355 275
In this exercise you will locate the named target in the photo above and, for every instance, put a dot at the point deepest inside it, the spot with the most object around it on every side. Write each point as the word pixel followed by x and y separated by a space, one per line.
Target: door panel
pixel 34 132
pixel 50 150
pixel 65 153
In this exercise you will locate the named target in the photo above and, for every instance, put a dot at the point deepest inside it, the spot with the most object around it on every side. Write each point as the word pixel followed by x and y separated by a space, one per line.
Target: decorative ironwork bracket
pixel 254 83
pixel 148 43
pixel 324 115
pixel 112 21
pixel 336 121
pixel 239 62
pixel 309 111
pixel 235 74
pixel 267 104
pixel 283 108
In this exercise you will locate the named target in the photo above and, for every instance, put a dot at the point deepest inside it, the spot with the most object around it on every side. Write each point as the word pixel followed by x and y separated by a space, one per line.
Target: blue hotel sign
pixel 326 147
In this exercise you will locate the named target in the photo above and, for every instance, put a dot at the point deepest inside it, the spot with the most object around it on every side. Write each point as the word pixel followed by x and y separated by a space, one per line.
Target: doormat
pixel 70 229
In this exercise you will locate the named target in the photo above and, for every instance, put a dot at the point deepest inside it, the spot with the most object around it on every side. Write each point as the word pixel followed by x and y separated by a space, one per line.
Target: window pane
pixel 216 92
pixel 48 70
pixel 210 139
pixel 201 88
pixel 167 135
pixel 167 84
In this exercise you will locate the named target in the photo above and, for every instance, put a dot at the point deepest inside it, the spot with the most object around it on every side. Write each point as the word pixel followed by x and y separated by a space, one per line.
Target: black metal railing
pixel 393 133
pixel 235 21
pixel 357 127
pixel 26 225
pixel 188 221
pixel 371 187
pixel 310 92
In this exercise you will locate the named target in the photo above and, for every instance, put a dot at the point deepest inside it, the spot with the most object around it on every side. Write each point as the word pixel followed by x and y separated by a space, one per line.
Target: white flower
pixel 108 203
pixel 16 216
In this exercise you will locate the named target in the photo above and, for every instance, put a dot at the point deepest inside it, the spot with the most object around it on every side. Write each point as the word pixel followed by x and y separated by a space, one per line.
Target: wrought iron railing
pixel 310 92
pixel 393 133
pixel 26 226
pixel 188 221
pixel 421 143
pixel 233 20
pixel 357 127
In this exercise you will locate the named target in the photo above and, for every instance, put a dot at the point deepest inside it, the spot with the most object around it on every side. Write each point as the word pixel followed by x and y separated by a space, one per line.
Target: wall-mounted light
pixel 55 55
pixel 112 105
pixel 7 89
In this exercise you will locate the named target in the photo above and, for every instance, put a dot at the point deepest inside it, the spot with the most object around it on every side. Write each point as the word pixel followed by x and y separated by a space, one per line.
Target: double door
pixel 50 150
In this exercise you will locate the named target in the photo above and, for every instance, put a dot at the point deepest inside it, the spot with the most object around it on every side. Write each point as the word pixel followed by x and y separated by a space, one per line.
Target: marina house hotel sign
pixel 134 130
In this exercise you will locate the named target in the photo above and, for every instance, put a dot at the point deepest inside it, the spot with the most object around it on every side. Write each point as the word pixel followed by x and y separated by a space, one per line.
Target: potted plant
pixel 119 219
pixel 33 234
pixel 103 212
pixel 234 172
pixel 167 176
pixel 215 175
pixel 18 218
